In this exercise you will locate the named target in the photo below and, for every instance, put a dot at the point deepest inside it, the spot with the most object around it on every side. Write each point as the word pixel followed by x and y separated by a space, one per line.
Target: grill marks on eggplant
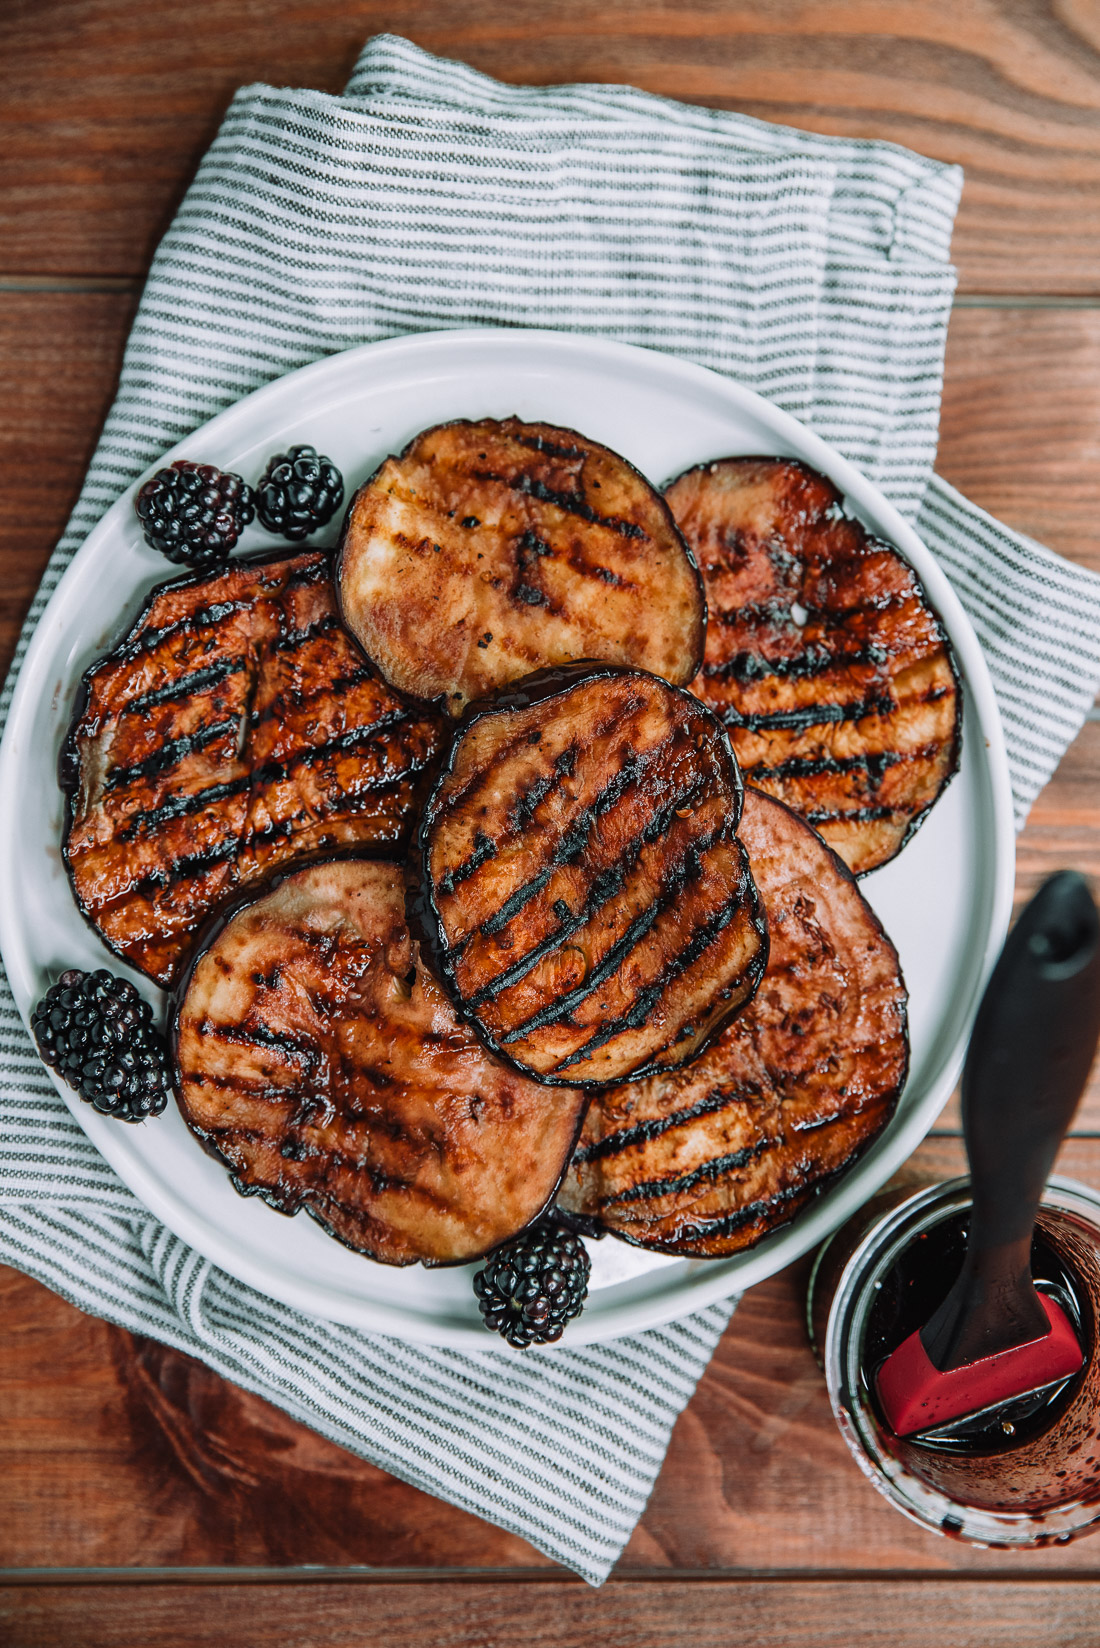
pixel 490 550
pixel 236 728
pixel 707 1160
pixel 583 890
pixel 321 1061
pixel 823 657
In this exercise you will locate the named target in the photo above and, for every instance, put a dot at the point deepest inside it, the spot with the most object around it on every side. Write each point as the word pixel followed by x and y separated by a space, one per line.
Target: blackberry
pixel 194 513
pixel 299 492
pixel 97 1033
pixel 534 1284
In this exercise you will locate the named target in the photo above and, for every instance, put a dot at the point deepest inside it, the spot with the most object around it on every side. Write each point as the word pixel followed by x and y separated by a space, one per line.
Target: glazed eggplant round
pixel 823 657
pixel 235 729
pixel 489 550
pixel 323 1064
pixel 708 1160
pixel 583 893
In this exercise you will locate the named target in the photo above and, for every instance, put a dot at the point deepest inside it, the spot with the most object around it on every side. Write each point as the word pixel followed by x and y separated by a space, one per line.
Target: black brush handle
pixel 1030 1052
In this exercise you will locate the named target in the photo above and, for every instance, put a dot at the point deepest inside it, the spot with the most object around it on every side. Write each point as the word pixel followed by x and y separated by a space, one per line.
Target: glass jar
pixel 1044 1491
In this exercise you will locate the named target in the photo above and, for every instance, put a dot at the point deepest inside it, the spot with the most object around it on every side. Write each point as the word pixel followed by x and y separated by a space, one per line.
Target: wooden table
pixel 143 1500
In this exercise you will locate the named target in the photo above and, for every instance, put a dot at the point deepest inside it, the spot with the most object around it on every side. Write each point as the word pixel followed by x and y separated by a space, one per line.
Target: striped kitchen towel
pixel 813 270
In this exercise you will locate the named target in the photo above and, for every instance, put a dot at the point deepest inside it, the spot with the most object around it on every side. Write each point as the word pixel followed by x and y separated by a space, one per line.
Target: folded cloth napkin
pixel 813 270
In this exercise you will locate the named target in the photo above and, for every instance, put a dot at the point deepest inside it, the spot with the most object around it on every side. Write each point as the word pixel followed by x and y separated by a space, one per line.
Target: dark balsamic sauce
pixel 915 1287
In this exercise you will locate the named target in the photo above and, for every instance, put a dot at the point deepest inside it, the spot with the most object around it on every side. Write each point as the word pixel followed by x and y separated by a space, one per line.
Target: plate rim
pixel 700 1287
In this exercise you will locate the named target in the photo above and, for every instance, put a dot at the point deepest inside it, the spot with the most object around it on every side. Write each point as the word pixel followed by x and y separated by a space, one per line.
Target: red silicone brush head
pixel 916 1396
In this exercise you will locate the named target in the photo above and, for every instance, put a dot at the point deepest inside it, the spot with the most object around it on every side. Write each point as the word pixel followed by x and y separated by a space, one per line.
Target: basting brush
pixel 995 1338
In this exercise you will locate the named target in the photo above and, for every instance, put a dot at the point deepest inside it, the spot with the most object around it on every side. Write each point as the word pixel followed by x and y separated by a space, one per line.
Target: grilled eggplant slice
pixel 823 657
pixel 708 1160
pixel 489 550
pixel 236 728
pixel 321 1061
pixel 583 892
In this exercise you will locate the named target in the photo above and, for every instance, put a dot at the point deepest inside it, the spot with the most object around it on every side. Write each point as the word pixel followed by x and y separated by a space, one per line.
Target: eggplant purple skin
pixel 208 935
pixel 422 911
pixel 918 818
pixel 440 702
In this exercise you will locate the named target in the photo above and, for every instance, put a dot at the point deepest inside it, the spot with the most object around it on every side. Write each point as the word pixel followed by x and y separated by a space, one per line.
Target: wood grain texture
pixel 115 1451
pixel 1020 426
pixel 556 1614
pixel 59 358
pixel 106 108
pixel 118 1452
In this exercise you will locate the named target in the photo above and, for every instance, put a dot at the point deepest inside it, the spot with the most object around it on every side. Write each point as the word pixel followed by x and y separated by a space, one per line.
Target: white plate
pixel 945 901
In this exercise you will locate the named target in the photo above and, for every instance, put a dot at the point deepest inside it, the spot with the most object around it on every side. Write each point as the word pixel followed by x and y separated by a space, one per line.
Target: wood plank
pixel 1061 830
pixel 118 1452
pixel 106 109
pixel 1020 427
pixel 59 358
pixel 557 1614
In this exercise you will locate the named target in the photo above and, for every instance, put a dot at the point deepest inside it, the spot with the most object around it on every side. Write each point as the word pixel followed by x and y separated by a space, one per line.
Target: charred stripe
pixel 184 869
pixel 526 806
pixel 854 815
pixel 290 639
pixel 485 848
pixel 816 659
pixel 605 886
pixel 170 754
pixel 272 772
pixel 180 806
pixel 185 687
pixel 571 503
pixel 729 1222
pixel 604 728
pixel 353 738
pixel 875 764
pixel 196 864
pixel 206 618
pixel 572 843
pixel 775 611
pixel 575 839
pixel 260 1035
pixel 650 1189
pixel 644 1132
pixel 809 715
pixel 511 906
pixel 295 699
pixel 313 572
pixel 539 443
pixel 701 941
pixel 688 869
